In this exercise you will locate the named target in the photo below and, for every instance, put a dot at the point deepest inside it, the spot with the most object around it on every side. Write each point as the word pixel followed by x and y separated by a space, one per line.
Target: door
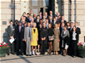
pixel 40 5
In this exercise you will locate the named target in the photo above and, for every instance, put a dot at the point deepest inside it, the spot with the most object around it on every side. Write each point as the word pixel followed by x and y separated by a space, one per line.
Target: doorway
pixel 41 10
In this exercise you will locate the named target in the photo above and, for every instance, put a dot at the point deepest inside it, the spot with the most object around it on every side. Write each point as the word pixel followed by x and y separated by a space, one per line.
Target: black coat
pixel 76 35
pixel 10 32
pixel 53 25
pixel 17 33
pixel 27 20
pixel 78 32
pixel 47 17
pixel 37 23
pixel 50 22
pixel 44 33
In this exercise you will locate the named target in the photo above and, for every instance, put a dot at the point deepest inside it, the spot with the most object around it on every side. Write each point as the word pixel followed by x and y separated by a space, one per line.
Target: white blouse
pixel 74 36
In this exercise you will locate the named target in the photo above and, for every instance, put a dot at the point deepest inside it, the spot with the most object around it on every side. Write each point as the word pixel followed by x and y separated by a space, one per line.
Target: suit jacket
pixel 65 36
pixel 10 31
pixel 52 16
pixel 26 34
pixel 76 36
pixel 27 19
pixel 36 20
pixel 44 33
pixel 37 23
pixel 19 34
pixel 53 25
pixel 50 22
pixel 47 17
pixel 78 32
pixel 65 22
pixel 71 30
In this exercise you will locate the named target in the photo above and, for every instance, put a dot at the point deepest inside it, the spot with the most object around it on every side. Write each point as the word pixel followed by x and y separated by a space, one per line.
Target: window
pixel 34 2
pixel 45 2
pixel 35 11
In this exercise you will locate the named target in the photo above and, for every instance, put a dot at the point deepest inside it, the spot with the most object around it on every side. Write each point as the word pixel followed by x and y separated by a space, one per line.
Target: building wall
pixel 5 16
pixel 81 17
pixel 7 13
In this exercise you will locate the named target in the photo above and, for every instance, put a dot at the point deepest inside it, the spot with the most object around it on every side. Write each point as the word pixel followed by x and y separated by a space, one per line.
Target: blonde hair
pixel 34 24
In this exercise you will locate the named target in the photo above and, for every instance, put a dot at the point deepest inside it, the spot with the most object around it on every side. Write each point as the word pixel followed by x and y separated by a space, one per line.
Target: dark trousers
pixel 19 46
pixel 70 48
pixel 74 47
pixel 43 47
pixel 11 48
pixel 24 47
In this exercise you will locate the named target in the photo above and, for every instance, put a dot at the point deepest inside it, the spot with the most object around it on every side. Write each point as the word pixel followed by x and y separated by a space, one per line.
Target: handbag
pixel 49 37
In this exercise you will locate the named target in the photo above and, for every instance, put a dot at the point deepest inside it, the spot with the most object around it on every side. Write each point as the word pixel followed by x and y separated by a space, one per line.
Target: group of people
pixel 43 34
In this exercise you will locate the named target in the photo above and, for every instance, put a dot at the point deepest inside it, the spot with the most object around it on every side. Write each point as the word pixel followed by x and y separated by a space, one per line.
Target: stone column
pixel 25 6
pixel 17 9
pixel 58 6
pixel 73 11
pixel 66 9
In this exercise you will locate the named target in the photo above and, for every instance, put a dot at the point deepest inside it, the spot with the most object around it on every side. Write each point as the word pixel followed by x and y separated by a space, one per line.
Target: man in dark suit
pixel 16 23
pixel 61 29
pixel 51 14
pixel 46 15
pixel 37 21
pixel 19 38
pixel 47 23
pixel 40 15
pixel 27 18
pixel 62 19
pixel 70 43
pixel 50 19
pixel 54 22
pixel 78 30
pixel 44 33
pixel 11 32
pixel 23 23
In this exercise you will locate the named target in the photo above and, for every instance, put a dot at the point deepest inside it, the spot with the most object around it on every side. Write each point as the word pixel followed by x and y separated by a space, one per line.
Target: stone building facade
pixel 65 7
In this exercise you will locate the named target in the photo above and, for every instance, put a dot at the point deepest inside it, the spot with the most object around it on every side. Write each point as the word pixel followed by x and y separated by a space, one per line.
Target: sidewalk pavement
pixel 41 59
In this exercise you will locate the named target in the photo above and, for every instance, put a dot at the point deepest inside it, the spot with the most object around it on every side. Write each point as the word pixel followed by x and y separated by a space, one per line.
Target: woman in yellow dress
pixel 35 38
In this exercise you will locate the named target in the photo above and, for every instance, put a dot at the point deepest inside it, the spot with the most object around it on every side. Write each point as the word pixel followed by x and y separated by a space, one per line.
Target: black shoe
pixel 30 55
pixel 17 54
pixel 21 54
pixel 8 53
pixel 27 55
pixel 13 53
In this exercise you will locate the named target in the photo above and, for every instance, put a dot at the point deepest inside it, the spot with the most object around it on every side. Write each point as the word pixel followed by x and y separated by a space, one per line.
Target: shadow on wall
pixel 5 39
pixel 5 34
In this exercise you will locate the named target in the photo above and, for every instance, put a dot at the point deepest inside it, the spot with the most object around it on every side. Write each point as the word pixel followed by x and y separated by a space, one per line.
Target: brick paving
pixel 41 59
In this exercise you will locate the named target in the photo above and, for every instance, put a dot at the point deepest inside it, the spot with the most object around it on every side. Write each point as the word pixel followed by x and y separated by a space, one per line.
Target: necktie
pixel 29 32
pixel 12 28
pixel 19 29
